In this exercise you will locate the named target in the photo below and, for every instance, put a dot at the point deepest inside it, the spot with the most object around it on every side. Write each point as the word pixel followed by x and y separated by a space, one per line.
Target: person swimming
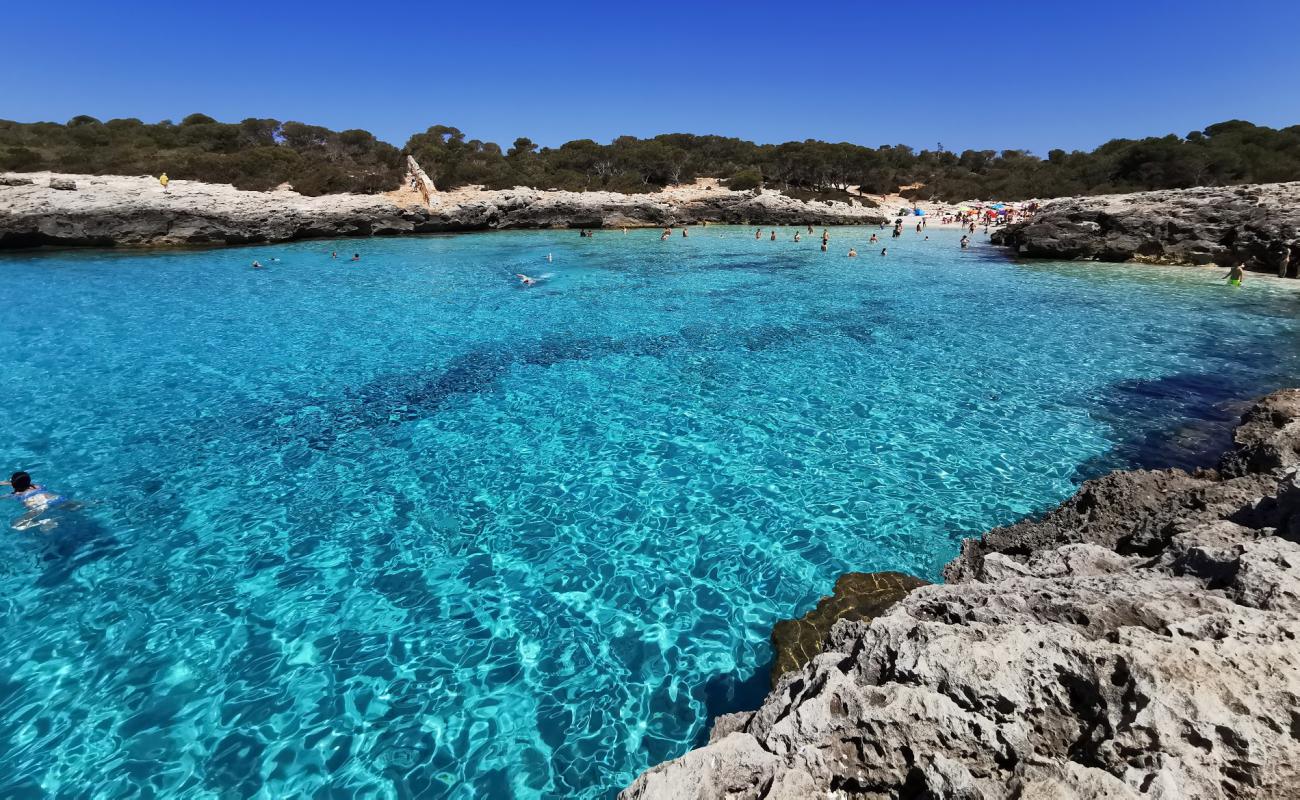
pixel 853 253
pixel 774 235
pixel 873 239
pixel 884 251
pixel 258 265
pixel 525 280
pixel 356 256
pixel 36 499
pixel 758 234
pixel 1236 274
pixel 667 232
pixel 684 233
pixel 965 241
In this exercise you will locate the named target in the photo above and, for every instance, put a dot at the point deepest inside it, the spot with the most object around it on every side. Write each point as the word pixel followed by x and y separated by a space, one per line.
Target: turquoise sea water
pixel 404 528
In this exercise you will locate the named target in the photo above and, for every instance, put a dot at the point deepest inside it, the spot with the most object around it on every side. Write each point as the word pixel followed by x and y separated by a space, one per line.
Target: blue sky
pixel 1016 74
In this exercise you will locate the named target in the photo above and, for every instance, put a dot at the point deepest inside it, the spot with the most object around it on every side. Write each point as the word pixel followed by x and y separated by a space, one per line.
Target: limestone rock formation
pixel 135 211
pixel 1138 641
pixel 1257 225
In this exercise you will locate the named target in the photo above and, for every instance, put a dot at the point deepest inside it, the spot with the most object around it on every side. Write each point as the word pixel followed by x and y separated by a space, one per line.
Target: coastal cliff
pixel 83 210
pixel 1138 641
pixel 1256 225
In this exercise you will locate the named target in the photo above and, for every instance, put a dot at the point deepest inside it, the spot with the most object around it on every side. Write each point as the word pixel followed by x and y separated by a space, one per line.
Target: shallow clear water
pixel 404 528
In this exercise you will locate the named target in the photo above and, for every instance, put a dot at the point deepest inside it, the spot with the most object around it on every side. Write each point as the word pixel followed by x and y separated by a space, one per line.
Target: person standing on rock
pixel 164 180
pixel 1236 274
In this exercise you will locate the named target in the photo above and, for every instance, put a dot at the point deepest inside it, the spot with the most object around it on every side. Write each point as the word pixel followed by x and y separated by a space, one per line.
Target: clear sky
pixel 1031 74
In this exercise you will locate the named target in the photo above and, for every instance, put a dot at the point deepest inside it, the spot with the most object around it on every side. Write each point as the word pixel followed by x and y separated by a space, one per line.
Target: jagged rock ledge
pixel 1138 641
pixel 1258 225
pixel 85 210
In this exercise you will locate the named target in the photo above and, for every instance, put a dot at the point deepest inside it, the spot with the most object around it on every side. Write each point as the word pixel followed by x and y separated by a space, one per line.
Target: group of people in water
pixel 333 254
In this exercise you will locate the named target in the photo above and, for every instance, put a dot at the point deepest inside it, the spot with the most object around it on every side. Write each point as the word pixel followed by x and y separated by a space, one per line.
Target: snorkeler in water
pixel 36 499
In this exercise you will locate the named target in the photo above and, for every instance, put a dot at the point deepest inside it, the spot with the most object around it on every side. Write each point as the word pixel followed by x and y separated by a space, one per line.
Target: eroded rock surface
pixel 1141 640
pixel 114 210
pixel 1258 225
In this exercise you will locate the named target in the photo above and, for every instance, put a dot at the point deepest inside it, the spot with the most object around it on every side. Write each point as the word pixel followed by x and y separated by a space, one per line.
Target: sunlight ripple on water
pixel 405 528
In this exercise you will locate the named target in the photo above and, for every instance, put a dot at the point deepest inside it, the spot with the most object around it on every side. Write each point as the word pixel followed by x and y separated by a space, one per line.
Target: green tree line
pixel 263 153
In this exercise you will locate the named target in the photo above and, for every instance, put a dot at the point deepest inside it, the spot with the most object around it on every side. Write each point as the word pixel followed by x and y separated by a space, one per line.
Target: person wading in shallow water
pixel 1236 274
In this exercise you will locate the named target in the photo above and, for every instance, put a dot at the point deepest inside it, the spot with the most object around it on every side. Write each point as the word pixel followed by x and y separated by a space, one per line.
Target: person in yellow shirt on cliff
pixel 164 180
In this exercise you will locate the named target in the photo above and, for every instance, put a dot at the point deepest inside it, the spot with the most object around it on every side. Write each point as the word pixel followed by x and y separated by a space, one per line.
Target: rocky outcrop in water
pixel 1256 225
pixel 1138 641
pixel 858 596
pixel 136 211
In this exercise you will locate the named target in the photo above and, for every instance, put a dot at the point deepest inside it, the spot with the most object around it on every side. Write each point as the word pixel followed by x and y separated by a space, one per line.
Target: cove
pixel 405 527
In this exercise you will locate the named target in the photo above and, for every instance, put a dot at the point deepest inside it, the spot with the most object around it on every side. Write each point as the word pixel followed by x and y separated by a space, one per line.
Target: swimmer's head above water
pixel 20 482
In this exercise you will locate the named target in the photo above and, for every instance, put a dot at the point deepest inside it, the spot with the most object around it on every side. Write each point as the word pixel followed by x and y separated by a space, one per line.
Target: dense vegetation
pixel 261 153
pixel 253 154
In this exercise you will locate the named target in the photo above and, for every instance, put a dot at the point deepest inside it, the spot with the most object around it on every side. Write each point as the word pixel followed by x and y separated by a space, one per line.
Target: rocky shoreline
pixel 1138 641
pixel 1257 225
pixel 41 209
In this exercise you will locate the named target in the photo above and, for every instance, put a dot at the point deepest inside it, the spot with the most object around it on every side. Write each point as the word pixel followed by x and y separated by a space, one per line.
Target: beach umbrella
pixel 920 212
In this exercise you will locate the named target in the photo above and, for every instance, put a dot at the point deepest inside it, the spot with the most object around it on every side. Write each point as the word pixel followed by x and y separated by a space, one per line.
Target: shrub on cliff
pixel 745 180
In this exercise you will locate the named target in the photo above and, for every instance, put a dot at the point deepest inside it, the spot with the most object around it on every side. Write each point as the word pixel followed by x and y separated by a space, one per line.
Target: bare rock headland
pixel 104 211
pixel 1257 225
